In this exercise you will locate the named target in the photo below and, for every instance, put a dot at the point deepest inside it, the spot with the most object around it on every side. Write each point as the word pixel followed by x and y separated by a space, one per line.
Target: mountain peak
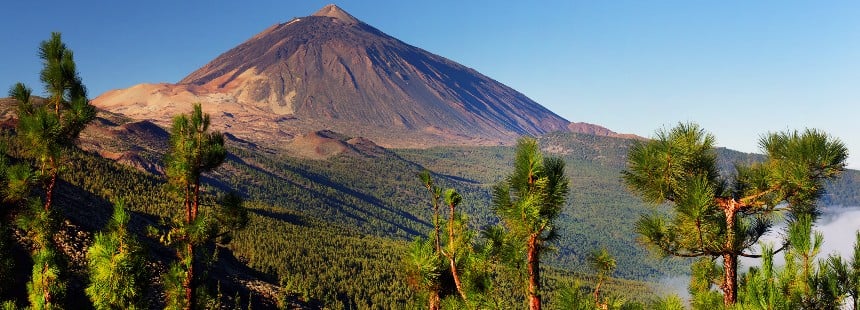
pixel 336 12
pixel 331 71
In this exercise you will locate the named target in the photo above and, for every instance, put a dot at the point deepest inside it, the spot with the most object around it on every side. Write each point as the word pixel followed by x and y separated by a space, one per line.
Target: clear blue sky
pixel 738 68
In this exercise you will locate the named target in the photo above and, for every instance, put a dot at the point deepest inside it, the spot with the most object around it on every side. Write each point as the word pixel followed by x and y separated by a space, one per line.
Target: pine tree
pixel 435 195
pixel 17 182
pixel 851 282
pixel 847 274
pixel 116 265
pixel 803 282
pixel 423 265
pixel 811 285
pixel 604 264
pixel 458 240
pixel 47 286
pixel 49 130
pixel 571 297
pixel 194 150
pixel 759 288
pixel 457 247
pixel 804 244
pixel 469 265
pixel 528 203
pixel 852 285
pixel 424 269
pixel 714 216
pixel 705 274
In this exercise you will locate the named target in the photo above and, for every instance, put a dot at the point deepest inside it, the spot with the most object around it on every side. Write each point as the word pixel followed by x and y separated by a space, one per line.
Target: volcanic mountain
pixel 331 71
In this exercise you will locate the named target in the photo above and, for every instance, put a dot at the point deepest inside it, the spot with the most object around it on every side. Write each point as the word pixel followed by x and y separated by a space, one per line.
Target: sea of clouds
pixel 838 225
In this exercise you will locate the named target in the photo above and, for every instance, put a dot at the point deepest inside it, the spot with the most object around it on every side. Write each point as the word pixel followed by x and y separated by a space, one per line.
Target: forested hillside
pixel 354 212
pixel 304 214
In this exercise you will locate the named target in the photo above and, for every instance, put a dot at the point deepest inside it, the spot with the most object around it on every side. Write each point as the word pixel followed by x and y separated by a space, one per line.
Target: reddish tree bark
pixel 196 202
pixel 730 258
pixel 533 266
pixel 49 192
pixel 452 255
pixel 434 301
pixel 45 291
pixel 192 197
pixel 730 286
pixel 189 278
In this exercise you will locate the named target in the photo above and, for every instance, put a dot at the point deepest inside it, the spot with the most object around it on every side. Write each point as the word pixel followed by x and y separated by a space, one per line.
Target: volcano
pixel 331 71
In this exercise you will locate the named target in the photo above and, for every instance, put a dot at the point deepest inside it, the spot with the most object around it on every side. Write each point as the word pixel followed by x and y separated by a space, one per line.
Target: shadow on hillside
pixel 458 179
pixel 359 215
pixel 420 167
pixel 86 214
pixel 284 217
pixel 371 200
pixel 16 286
pixel 233 277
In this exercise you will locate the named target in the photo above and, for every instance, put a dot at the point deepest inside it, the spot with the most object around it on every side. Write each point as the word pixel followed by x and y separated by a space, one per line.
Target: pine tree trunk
pixel 434 301
pixel 533 266
pixel 190 216
pixel 436 224
pixel 456 275
pixel 730 258
pixel 189 278
pixel 58 99
pixel 452 255
pixel 196 203
pixel 187 204
pixel 730 286
pixel 49 192
pixel 45 287
pixel 597 293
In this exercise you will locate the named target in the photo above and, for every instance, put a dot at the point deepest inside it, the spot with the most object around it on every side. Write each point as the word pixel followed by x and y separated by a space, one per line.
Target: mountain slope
pixel 330 71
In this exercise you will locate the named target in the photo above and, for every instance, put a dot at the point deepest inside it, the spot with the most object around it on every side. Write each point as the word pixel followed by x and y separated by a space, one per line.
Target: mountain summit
pixel 334 11
pixel 330 71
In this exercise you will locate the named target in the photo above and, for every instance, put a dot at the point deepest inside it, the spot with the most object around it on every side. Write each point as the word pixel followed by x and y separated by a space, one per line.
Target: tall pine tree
pixel 194 150
pixel 48 132
pixel 715 216
pixel 604 264
pixel 528 203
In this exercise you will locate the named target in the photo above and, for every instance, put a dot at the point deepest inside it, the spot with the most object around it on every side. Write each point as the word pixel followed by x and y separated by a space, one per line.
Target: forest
pixel 565 221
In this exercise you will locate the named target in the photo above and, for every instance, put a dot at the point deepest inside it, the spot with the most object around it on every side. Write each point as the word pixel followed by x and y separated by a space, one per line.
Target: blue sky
pixel 738 68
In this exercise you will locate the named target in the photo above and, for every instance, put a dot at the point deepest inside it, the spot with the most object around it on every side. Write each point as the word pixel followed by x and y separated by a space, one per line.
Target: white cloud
pixel 839 225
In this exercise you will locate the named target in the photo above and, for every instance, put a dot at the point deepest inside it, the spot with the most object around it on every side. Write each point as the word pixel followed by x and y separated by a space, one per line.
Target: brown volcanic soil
pixel 330 71
pixel 597 130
